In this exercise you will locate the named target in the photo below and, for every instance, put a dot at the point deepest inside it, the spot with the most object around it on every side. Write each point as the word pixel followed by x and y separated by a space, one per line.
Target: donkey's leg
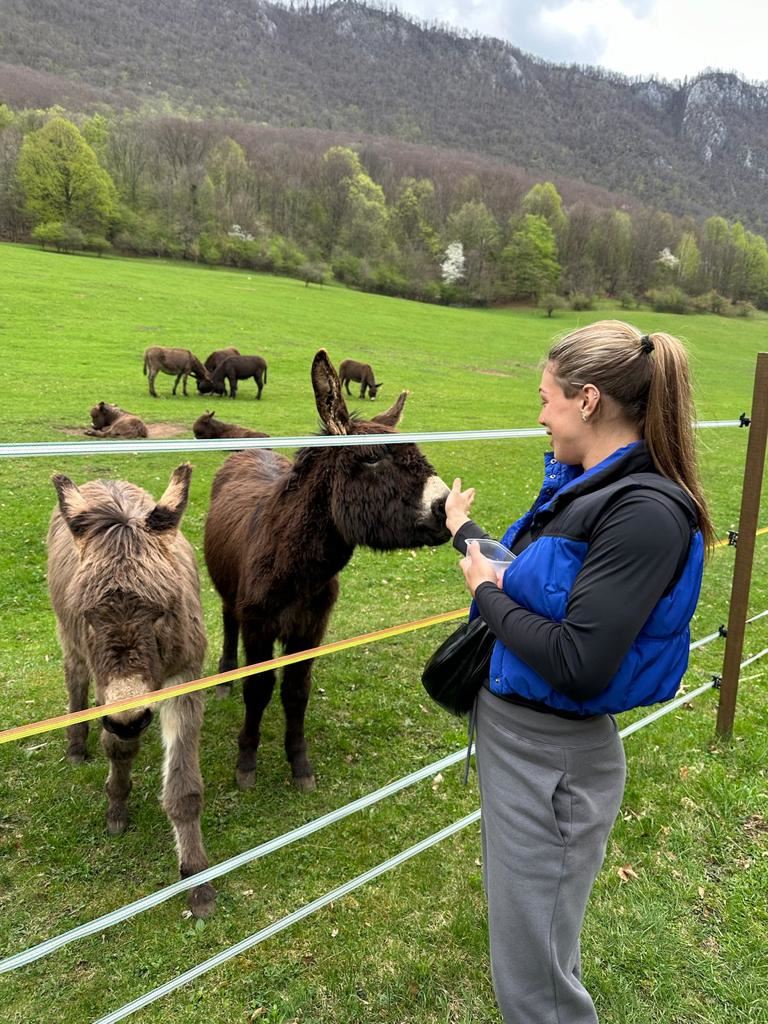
pixel 294 693
pixel 176 383
pixel 228 659
pixel 151 379
pixel 306 631
pixel 184 385
pixel 181 720
pixel 257 692
pixel 121 754
pixel 362 390
pixel 76 676
pixel 233 387
pixel 345 382
pixel 259 385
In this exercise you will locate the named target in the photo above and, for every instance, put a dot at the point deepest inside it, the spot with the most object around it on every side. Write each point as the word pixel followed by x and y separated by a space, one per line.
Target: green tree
pixel 413 215
pixel 530 258
pixel 475 227
pixel 608 250
pixel 62 180
pixel 689 268
pixel 544 200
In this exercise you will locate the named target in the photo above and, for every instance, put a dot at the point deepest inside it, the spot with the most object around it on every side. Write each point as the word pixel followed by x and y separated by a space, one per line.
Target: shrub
pixel 715 302
pixel 210 249
pixel 347 269
pixel 312 273
pixel 550 302
pixel 668 300
pixel 97 244
pixel 581 301
pixel 627 300
pixel 49 233
pixel 743 309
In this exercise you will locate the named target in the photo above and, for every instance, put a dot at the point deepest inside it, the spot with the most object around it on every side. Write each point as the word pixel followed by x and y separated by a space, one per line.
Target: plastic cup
pixel 495 552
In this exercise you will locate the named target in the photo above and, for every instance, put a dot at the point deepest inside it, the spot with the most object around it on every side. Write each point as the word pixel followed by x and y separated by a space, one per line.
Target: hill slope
pixel 698 147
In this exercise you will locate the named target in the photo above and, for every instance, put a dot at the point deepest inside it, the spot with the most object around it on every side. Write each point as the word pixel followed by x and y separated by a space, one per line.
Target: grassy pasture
pixel 679 939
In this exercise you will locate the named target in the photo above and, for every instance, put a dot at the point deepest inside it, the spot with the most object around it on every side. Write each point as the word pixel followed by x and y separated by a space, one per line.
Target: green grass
pixel 683 942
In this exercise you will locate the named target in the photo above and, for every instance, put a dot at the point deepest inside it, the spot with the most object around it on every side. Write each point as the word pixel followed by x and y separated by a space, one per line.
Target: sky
pixel 670 39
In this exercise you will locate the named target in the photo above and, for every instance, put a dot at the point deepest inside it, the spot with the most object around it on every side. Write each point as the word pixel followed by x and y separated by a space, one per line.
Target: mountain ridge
pixel 694 147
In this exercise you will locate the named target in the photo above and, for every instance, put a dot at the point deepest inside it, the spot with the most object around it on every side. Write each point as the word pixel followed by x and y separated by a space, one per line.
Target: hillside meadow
pixel 676 928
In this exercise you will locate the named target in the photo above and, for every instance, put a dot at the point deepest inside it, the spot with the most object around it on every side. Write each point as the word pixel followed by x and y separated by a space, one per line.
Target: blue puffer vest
pixel 541 577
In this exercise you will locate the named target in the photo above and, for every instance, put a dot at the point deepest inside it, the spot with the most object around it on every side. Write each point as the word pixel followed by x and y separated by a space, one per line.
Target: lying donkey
pixel 206 428
pixel 112 421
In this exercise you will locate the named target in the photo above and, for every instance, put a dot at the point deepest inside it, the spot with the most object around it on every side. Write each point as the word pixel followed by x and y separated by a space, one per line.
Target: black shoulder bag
pixel 460 666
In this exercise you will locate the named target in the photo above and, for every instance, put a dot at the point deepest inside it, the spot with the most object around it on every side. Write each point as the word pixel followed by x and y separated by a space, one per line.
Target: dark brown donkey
pixel 213 360
pixel 231 370
pixel 124 586
pixel 279 532
pixel 208 428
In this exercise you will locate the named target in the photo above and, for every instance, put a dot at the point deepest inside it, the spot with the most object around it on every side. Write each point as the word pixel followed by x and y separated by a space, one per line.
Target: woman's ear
pixel 590 399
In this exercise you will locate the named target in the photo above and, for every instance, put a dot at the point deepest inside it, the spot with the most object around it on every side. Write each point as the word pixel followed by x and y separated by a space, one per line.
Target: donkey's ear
pixel 327 387
pixel 391 417
pixel 167 513
pixel 72 504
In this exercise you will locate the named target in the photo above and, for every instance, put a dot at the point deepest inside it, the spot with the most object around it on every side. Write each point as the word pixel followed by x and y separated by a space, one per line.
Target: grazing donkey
pixel 350 369
pixel 231 370
pixel 219 356
pixel 178 362
pixel 112 421
pixel 207 428
pixel 279 532
pixel 124 586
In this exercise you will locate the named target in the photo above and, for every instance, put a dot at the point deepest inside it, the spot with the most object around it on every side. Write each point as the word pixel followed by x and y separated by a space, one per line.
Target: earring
pixel 584 417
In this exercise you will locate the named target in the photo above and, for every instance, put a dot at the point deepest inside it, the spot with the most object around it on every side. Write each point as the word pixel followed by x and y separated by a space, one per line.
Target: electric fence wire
pixel 336 894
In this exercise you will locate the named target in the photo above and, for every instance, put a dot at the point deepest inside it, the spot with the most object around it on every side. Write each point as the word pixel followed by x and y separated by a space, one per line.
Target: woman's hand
pixel 477 568
pixel 457 506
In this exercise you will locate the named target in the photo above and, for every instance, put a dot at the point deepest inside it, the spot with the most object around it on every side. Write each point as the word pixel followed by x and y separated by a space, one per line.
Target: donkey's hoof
pixel 117 824
pixel 246 780
pixel 202 900
pixel 77 756
pixel 305 783
pixel 223 689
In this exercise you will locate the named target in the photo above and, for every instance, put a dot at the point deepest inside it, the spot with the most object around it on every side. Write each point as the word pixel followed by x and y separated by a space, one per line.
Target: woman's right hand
pixel 457 506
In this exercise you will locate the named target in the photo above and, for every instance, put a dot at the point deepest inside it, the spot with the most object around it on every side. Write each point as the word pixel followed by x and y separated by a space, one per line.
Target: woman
pixel 591 618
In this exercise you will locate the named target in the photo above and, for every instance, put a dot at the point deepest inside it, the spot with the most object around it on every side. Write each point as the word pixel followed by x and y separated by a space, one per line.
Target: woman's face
pixel 562 418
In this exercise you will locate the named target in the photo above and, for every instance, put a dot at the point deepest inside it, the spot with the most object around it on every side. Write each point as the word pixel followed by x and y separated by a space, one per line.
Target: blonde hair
pixel 648 376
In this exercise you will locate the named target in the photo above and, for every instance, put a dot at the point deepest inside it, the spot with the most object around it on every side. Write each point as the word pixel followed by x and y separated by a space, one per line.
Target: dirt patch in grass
pixel 156 431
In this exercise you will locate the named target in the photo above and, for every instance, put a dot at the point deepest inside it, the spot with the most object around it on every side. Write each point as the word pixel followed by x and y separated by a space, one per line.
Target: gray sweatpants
pixel 550 790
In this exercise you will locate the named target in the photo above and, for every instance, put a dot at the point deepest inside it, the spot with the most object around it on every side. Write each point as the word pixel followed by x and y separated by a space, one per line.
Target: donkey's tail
pixel 145 364
pixel 265 373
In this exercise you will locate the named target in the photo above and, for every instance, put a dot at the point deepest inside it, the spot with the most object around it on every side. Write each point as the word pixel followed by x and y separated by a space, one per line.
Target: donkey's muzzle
pixel 128 730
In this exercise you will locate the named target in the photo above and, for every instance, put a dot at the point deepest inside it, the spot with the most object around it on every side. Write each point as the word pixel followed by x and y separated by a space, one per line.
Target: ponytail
pixel 649 377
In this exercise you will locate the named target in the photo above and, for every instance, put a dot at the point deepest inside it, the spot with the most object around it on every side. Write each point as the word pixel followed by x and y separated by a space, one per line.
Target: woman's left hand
pixel 477 568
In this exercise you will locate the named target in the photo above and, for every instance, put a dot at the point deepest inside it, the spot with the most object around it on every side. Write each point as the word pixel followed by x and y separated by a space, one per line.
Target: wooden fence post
pixel 745 549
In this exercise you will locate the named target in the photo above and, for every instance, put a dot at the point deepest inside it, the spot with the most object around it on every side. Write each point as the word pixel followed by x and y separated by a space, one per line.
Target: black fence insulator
pixel 716 681
pixel 733 537
pixel 744 420
pixel 722 629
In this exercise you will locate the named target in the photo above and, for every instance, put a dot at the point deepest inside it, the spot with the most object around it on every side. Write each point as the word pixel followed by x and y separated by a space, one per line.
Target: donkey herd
pixel 124 585
pixel 223 367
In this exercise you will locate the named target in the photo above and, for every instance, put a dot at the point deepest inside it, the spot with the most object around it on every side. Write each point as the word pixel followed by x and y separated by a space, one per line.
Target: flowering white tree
pixel 667 259
pixel 237 232
pixel 452 266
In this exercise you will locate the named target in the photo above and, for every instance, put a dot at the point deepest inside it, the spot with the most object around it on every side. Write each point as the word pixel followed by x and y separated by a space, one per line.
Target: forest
pixel 380 215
